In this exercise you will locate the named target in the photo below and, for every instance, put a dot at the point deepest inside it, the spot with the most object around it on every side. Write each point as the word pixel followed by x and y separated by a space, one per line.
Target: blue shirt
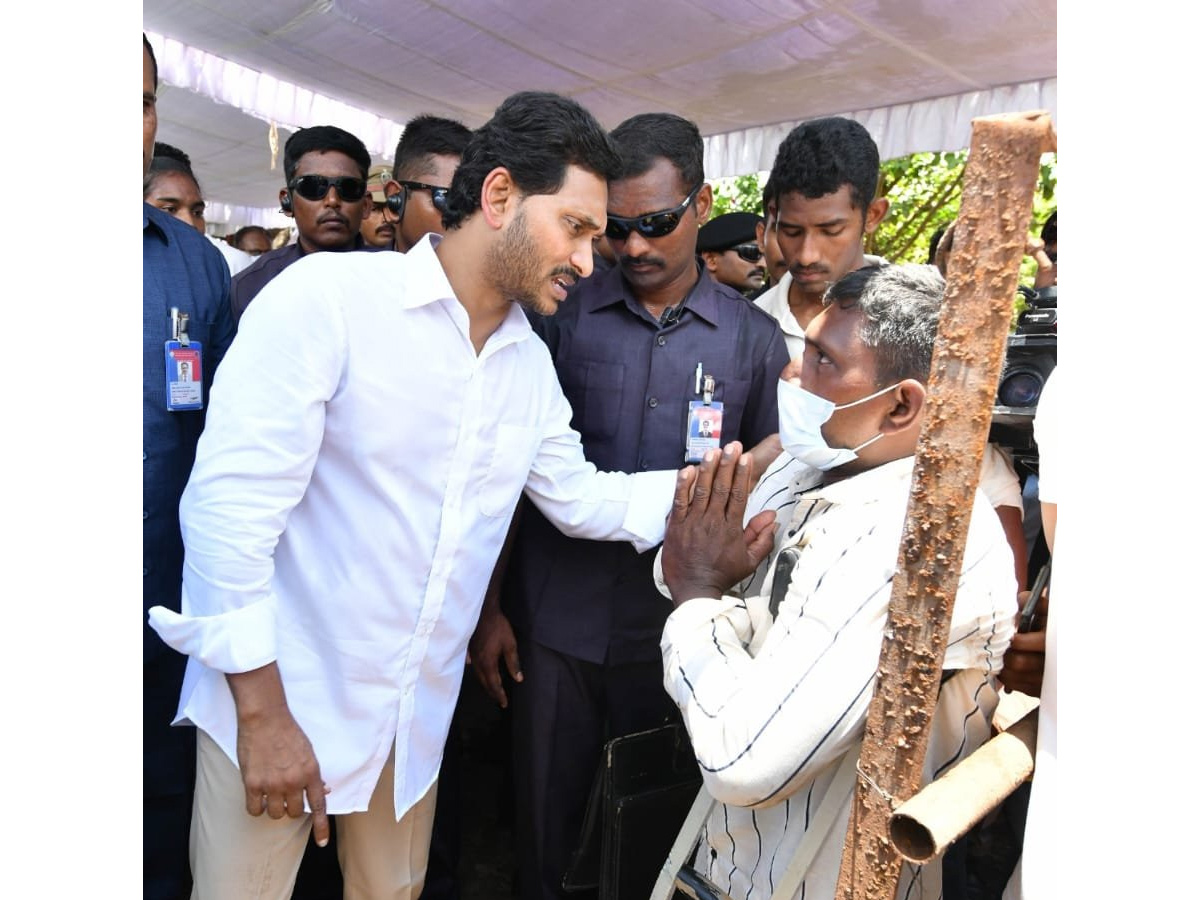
pixel 629 380
pixel 180 268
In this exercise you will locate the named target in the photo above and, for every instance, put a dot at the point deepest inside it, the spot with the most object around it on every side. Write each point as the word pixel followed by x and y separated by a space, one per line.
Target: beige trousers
pixel 235 855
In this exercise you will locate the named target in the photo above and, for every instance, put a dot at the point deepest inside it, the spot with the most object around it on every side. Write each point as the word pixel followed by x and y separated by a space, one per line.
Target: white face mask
pixel 801 415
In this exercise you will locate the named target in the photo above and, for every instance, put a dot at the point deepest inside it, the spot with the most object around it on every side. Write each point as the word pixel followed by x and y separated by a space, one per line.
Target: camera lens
pixel 1020 388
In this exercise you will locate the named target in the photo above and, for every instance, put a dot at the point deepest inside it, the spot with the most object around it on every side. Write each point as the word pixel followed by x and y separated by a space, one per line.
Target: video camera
pixel 1031 356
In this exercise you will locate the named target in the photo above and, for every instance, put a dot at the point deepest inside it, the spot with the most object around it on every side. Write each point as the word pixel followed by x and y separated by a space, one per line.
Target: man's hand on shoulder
pixel 276 760
pixel 706 550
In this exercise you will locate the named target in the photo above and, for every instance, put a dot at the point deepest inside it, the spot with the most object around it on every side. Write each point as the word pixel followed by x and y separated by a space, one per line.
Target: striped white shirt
pixel 772 709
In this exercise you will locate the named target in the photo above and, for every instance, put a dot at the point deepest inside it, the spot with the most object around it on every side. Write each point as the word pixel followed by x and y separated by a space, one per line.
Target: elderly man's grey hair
pixel 900 305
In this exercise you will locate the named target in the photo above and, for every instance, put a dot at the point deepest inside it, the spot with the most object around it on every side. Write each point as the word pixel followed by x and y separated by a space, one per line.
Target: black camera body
pixel 1031 356
pixel 1041 311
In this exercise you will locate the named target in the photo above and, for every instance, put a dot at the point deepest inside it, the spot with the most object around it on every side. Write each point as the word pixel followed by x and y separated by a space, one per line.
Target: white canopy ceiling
pixel 915 72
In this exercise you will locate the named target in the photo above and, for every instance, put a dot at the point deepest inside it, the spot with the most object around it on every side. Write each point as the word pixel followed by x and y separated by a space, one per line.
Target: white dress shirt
pixel 234 258
pixel 1045 434
pixel 1036 876
pixel 774 302
pixel 772 708
pixel 351 492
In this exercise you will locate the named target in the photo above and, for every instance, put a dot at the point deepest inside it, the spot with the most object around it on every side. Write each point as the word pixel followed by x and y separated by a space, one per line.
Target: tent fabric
pixel 931 125
pixel 915 72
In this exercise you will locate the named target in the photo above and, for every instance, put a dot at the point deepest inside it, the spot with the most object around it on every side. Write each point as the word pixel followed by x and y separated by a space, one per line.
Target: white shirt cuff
pixel 240 640
pixel 650 502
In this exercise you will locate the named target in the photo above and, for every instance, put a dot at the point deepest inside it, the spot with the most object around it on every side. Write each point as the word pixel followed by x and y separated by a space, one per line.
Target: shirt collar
pixel 612 288
pixel 428 283
pixel 515 327
pixel 775 301
pixel 865 487
pixel 150 222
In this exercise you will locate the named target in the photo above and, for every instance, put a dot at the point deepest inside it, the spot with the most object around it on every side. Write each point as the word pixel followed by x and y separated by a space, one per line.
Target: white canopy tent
pixel 915 72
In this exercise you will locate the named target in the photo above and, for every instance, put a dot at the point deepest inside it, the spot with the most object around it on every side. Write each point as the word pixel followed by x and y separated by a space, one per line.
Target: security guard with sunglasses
pixel 326 193
pixel 731 250
pixel 659 363
pixel 427 155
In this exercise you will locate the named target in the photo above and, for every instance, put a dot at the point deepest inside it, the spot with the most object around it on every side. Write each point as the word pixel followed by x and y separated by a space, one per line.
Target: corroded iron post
pixel 989 241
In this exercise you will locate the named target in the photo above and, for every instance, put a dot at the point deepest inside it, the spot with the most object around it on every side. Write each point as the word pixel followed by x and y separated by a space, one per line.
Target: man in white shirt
pixel 821 204
pixel 1036 654
pixel 822 208
pixel 774 699
pixel 337 555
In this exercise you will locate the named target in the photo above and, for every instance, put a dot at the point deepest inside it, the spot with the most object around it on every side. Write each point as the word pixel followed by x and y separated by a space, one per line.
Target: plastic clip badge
pixel 184 361
pixel 703 423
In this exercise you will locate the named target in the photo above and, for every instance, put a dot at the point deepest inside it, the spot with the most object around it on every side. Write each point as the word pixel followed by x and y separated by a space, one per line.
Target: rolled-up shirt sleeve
pixel 998 478
pixel 253 464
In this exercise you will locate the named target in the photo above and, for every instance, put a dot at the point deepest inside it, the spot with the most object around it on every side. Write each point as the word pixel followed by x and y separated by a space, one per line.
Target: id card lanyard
pixel 704 419
pixel 184 384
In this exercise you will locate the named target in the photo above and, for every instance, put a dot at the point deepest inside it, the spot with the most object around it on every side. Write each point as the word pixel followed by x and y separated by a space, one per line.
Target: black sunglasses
pixel 436 194
pixel 316 187
pixel 651 225
pixel 748 252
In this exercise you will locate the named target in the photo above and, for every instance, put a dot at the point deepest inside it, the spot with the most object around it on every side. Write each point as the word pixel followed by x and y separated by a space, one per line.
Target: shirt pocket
pixel 733 392
pixel 507 471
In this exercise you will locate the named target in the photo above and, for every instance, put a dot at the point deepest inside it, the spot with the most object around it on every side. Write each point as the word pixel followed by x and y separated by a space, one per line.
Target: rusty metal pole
pixel 989 241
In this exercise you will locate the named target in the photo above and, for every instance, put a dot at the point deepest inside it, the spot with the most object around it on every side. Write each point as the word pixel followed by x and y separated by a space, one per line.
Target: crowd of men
pixel 458 412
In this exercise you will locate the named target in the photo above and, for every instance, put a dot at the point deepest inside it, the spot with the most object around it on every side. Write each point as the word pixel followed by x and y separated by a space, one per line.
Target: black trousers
pixel 563 713
pixel 168 782
pixel 166 821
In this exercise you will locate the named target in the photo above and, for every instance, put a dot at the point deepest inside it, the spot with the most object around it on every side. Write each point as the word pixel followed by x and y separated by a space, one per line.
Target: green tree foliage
pixel 741 193
pixel 924 191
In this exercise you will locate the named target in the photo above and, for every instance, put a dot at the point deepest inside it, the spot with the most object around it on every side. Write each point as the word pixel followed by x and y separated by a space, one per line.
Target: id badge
pixel 184 376
pixel 703 429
